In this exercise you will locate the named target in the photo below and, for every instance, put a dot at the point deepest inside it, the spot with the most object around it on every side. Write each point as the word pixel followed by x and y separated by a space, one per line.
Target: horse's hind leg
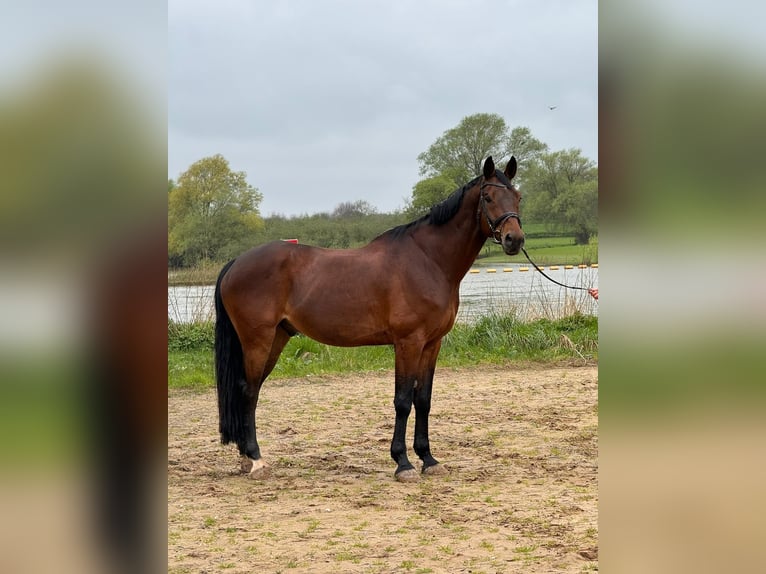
pixel 260 359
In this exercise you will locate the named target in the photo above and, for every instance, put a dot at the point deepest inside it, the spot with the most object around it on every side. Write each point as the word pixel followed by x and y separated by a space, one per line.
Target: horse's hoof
pixel 435 470
pixel 409 475
pixel 254 468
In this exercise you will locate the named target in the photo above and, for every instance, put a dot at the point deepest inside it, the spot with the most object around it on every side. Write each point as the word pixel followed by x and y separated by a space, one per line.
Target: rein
pixel 550 278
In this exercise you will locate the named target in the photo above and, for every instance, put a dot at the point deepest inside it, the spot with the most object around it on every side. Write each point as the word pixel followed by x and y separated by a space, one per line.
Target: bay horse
pixel 401 289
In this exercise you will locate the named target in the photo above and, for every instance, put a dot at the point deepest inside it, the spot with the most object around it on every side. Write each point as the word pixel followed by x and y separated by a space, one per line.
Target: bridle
pixel 496 224
pixel 494 228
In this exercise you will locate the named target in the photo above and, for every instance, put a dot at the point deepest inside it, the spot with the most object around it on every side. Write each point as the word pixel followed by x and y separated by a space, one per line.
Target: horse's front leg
pixel 422 401
pixel 405 472
pixel 405 380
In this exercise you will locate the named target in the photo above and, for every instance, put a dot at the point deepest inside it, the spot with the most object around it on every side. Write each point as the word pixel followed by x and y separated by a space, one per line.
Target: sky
pixel 323 102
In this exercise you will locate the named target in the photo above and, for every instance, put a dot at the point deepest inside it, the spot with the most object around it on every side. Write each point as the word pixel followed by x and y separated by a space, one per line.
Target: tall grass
pixel 503 338
pixel 204 273
pixel 493 339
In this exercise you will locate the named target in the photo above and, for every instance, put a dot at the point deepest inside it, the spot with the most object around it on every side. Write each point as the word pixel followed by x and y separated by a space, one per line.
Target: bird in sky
pixel 552 107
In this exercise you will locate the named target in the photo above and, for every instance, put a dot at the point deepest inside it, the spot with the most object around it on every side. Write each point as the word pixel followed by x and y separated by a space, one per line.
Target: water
pixel 526 293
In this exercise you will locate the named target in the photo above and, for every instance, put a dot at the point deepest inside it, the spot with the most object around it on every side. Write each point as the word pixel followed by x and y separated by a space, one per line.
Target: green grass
pixel 205 273
pixel 498 339
pixel 543 251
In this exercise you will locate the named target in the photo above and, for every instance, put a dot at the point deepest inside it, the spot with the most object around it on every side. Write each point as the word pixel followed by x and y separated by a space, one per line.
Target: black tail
pixel 233 402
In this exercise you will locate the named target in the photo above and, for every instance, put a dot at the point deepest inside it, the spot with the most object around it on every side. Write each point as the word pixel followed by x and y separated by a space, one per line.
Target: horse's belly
pixel 342 334
pixel 341 325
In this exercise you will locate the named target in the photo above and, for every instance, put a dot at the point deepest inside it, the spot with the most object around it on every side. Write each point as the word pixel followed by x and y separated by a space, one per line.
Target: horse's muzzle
pixel 512 244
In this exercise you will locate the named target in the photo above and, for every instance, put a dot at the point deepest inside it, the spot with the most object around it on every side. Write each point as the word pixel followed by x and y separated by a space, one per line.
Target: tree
pixel 460 150
pixel 357 208
pixel 212 211
pixel 428 192
pixel 562 189
pixel 526 149
pixel 456 157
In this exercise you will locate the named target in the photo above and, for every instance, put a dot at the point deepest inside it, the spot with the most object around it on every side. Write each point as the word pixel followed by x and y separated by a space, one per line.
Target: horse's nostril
pixel 514 241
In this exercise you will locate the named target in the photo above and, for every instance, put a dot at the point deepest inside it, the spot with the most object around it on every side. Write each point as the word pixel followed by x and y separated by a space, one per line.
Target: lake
pixel 527 293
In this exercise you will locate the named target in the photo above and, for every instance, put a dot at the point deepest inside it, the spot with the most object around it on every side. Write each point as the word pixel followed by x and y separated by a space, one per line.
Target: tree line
pixel 213 212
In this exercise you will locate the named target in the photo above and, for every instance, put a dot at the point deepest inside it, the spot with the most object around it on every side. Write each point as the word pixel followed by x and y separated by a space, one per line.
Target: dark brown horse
pixel 401 289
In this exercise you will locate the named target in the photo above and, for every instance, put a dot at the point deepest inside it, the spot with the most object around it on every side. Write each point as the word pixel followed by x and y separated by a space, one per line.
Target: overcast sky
pixel 325 101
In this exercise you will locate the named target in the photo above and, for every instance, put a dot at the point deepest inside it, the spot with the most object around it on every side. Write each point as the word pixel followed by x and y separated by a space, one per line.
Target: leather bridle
pixel 494 228
pixel 496 224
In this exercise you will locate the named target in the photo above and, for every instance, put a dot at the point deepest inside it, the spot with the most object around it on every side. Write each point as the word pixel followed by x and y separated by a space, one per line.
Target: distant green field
pixel 543 251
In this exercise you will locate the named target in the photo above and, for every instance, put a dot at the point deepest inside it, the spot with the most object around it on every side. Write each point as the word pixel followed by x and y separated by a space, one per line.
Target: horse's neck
pixel 454 245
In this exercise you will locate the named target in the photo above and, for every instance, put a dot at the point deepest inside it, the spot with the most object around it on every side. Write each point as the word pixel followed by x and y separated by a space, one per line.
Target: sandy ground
pixel 521 494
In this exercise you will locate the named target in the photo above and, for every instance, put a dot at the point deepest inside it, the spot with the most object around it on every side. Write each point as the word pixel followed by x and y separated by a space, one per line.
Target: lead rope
pixel 550 278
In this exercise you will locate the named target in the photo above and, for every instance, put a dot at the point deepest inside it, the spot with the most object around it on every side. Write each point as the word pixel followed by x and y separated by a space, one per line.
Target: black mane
pixel 439 214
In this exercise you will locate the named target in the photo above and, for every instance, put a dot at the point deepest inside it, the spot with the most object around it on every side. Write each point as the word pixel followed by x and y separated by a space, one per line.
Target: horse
pixel 401 289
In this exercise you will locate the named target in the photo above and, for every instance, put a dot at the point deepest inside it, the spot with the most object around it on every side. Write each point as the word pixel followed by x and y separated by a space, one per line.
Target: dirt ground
pixel 521 494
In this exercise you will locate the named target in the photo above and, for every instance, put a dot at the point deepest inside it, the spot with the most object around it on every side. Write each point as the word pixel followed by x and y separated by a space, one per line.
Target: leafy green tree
pixel 562 189
pixel 212 212
pixel 461 150
pixel 456 157
pixel 526 149
pixel 428 192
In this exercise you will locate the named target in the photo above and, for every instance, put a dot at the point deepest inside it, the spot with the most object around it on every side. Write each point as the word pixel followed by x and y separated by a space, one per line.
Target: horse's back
pixel 277 272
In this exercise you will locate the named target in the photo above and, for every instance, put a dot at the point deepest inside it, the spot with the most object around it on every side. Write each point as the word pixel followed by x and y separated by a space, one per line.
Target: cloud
pixel 344 95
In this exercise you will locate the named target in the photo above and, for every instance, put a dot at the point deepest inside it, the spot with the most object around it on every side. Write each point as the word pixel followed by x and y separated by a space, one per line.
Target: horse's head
pixel 498 211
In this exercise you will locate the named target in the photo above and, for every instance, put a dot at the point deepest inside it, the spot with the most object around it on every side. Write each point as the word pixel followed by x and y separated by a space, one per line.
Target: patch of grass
pixel 208 522
pixel 190 369
pixel 203 274
pixel 500 338
pixel 493 339
pixel 190 336
pixel 544 250
pixel 344 555
pixel 312 526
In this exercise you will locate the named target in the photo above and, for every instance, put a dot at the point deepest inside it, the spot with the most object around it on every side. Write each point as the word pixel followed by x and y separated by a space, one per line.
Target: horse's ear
pixel 489 167
pixel 510 169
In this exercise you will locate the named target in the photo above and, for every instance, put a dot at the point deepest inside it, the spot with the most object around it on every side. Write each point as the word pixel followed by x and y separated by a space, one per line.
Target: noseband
pixel 494 225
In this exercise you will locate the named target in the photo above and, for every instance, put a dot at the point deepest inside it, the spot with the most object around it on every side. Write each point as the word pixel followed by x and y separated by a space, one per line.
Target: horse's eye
pixel 487 199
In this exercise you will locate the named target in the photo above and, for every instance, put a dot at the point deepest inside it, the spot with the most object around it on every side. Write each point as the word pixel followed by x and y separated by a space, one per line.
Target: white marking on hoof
pixel 254 468
pixel 409 475
pixel 435 470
